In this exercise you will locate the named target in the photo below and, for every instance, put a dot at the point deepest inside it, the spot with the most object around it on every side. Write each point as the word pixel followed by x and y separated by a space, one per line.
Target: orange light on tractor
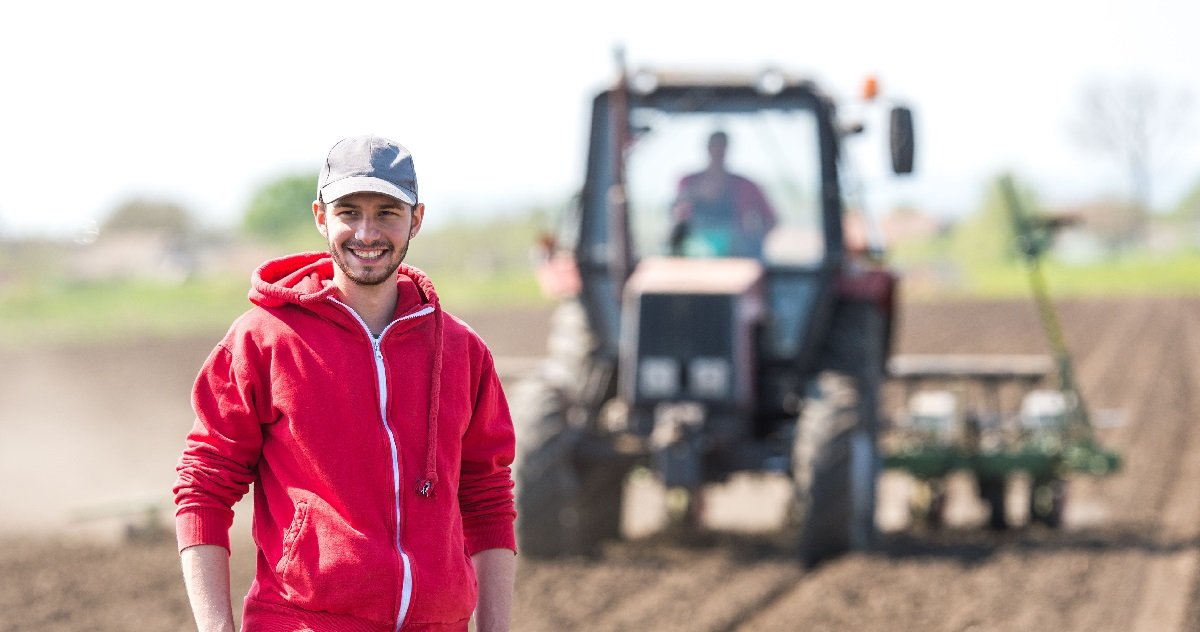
pixel 870 88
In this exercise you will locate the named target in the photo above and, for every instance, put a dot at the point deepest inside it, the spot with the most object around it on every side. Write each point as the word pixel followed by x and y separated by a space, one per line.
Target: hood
pixel 306 279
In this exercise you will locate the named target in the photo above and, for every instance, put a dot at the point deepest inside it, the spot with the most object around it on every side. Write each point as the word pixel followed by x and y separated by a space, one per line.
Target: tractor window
pixel 714 184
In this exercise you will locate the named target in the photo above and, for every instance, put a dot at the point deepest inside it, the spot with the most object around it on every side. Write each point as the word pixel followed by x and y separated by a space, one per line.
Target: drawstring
pixel 425 485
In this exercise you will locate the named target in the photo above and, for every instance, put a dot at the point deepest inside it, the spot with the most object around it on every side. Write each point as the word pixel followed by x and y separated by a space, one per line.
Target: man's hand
pixel 495 571
pixel 206 574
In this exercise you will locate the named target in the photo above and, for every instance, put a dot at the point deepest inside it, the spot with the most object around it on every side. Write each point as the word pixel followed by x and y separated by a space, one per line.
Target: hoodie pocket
pixel 449 591
pixel 326 564
pixel 289 538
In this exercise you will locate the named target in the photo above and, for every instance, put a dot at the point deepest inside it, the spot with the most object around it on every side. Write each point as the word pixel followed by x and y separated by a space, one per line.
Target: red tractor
pixel 720 322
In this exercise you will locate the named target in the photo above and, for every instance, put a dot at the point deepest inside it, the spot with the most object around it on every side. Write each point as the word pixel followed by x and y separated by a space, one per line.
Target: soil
pixel 89 439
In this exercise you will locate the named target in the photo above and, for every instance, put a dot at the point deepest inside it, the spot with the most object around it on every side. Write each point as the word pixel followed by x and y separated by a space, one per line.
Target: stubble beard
pixel 385 273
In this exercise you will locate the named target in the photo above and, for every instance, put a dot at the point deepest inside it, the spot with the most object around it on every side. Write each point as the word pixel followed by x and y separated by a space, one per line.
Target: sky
pixel 201 103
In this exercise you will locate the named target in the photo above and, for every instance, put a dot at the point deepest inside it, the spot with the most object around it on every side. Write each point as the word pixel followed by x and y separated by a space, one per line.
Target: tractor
pixel 703 339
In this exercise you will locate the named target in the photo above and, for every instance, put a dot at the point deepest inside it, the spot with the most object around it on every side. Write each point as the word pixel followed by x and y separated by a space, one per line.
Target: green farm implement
pixel 998 416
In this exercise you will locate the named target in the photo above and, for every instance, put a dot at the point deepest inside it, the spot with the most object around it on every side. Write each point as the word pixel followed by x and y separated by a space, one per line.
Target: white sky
pixel 202 102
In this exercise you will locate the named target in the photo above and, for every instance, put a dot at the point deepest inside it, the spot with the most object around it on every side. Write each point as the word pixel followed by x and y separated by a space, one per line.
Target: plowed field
pixel 85 433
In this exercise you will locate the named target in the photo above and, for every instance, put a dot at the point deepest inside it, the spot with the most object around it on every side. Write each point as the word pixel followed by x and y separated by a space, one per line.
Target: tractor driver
pixel 719 213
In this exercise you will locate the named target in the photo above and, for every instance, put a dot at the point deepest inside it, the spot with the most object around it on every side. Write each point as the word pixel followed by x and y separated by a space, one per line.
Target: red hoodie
pixel 379 467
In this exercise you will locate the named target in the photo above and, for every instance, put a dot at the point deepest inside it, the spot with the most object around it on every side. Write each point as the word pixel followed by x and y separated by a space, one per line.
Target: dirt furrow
pixel 557 595
pixel 1149 459
pixel 639 585
pixel 958 581
pixel 1164 606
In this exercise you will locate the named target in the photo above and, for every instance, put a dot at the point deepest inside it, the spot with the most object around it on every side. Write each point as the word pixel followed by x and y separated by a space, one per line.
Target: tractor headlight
pixel 709 377
pixel 658 377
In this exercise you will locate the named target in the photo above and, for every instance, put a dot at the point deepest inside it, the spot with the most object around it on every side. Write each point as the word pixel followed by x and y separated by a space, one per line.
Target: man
pixel 718 212
pixel 371 423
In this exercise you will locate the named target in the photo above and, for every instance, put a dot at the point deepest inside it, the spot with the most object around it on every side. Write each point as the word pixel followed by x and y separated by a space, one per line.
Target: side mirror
pixel 902 141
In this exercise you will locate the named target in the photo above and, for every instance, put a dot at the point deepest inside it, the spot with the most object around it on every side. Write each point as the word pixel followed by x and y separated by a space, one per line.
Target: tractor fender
pixel 876 286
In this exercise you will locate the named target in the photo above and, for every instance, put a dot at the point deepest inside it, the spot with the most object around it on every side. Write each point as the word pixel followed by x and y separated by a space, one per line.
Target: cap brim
pixel 365 184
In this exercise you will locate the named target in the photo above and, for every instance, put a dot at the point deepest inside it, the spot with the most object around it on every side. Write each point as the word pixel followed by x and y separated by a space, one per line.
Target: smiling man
pixel 371 423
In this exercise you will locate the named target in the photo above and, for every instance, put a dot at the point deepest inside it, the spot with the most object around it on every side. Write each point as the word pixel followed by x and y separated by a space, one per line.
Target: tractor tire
pixel 567 504
pixel 543 471
pixel 834 469
pixel 835 453
pixel 568 349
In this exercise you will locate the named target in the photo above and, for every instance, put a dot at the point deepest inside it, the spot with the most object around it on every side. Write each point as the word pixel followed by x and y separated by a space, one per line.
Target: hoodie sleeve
pixel 222 451
pixel 485 492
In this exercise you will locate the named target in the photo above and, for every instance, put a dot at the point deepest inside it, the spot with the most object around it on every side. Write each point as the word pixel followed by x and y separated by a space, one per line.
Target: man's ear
pixel 418 216
pixel 319 218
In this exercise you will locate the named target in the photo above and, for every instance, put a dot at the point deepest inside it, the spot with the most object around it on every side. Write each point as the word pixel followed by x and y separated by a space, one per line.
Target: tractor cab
pixel 720 167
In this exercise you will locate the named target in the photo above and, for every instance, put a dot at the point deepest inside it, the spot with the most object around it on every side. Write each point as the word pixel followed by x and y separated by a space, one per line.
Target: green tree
pixel 1186 216
pixel 142 214
pixel 280 211
pixel 987 237
pixel 1189 206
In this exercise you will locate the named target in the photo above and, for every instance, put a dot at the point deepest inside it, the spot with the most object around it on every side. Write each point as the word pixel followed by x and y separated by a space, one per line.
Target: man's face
pixel 368 234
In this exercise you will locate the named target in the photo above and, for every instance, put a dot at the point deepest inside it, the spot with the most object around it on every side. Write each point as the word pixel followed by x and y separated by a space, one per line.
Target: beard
pixel 374 272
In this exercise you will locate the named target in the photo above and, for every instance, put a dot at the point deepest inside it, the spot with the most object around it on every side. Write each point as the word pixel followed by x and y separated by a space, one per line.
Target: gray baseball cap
pixel 368 164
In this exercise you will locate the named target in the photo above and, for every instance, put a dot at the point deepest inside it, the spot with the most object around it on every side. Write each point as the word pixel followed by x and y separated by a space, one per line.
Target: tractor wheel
pixel 568 347
pixel 834 469
pixel 993 491
pixel 567 503
pixel 1047 500
pixel 835 454
pixel 546 482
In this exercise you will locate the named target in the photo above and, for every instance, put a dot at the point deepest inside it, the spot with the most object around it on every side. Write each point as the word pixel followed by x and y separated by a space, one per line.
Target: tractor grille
pixel 684 347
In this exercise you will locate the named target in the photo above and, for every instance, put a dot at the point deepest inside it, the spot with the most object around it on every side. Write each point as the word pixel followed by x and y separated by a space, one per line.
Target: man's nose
pixel 367 230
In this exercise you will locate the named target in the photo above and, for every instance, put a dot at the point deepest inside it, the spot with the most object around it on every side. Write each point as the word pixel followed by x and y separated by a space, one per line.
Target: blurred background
pixel 155 154
pixel 149 147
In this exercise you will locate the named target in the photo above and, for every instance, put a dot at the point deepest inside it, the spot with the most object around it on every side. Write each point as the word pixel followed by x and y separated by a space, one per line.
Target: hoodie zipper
pixel 381 378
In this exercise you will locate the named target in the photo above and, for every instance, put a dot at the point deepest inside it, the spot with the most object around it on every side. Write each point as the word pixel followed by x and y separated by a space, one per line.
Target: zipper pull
pixel 375 345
